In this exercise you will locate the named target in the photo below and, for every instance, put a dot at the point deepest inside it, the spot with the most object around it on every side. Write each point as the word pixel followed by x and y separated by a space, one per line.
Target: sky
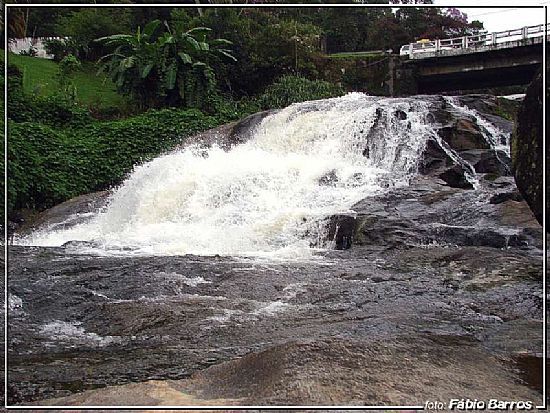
pixel 500 19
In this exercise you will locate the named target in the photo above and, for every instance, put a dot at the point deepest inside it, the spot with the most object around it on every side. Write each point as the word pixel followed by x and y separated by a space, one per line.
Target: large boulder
pixel 527 141
pixel 228 135
pixel 75 211
pixel 456 178
pixel 463 134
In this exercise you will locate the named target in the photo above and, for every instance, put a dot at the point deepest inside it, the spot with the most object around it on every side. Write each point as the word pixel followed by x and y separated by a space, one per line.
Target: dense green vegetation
pixel 291 89
pixel 268 43
pixel 48 165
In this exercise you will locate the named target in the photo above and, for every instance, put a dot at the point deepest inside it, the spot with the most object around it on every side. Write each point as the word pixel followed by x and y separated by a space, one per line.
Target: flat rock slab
pixel 332 372
pixel 150 393
pixel 349 322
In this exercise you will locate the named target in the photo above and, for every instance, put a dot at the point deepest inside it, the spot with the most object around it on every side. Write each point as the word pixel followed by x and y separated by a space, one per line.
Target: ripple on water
pixel 70 332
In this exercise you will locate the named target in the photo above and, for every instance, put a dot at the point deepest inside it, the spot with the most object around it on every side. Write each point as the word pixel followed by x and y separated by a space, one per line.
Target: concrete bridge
pixel 473 62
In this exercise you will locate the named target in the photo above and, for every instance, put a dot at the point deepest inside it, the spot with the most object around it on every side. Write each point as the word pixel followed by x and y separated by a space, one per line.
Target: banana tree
pixel 164 66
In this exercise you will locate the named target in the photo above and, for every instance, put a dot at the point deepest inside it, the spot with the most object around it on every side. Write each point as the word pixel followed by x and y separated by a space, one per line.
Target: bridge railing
pixel 474 41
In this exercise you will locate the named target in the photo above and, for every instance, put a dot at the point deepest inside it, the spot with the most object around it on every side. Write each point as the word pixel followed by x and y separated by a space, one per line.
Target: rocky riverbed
pixel 433 293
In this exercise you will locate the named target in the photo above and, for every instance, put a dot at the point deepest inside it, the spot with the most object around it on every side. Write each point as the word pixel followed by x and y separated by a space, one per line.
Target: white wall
pixel 17 45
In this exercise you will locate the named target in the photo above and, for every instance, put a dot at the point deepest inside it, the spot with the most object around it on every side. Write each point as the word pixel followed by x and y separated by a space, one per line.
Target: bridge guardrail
pixel 474 41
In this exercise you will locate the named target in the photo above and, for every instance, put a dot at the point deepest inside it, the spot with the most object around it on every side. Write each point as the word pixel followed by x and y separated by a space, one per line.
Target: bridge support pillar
pixel 402 79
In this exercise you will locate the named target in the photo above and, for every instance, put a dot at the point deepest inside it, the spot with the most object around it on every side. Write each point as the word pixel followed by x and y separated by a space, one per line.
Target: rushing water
pixel 495 138
pixel 269 195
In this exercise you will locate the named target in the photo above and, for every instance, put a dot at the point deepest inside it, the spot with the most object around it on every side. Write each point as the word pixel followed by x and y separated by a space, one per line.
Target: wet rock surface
pixel 69 213
pixel 332 371
pixel 229 135
pixel 434 292
pixel 432 212
pixel 80 322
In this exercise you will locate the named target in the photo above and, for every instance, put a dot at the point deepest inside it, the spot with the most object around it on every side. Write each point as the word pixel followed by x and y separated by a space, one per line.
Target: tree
pixel 43 20
pixel 85 25
pixel 164 66
pixel 268 44
pixel 387 33
pixel 17 22
pixel 435 23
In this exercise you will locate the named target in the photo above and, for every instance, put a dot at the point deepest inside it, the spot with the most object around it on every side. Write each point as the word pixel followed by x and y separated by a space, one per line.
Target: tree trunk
pixel 199 8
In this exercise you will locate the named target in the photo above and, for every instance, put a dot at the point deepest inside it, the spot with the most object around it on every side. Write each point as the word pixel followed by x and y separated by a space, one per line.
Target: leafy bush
pixel 69 65
pixel 16 101
pixel 61 48
pixel 57 48
pixel 293 89
pixel 67 68
pixel 49 165
pixel 159 66
pixel 84 25
pixel 226 109
pixel 55 111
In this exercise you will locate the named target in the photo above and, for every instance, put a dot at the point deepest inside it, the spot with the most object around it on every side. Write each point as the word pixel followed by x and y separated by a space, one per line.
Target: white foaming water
pixel 495 138
pixel 265 197
pixel 71 332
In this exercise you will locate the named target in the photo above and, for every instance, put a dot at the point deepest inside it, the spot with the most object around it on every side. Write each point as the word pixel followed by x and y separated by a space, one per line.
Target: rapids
pixel 268 196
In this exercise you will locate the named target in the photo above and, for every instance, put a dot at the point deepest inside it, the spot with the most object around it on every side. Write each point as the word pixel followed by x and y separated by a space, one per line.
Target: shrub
pixel 226 110
pixel 16 101
pixel 293 89
pixel 61 48
pixel 55 111
pixel 69 65
pixel 50 165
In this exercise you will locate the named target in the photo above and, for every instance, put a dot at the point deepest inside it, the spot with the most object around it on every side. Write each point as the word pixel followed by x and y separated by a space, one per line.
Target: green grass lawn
pixel 39 77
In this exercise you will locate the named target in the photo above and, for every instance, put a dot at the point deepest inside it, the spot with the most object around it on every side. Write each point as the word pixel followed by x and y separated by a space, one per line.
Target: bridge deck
pixel 478 43
pixel 477 49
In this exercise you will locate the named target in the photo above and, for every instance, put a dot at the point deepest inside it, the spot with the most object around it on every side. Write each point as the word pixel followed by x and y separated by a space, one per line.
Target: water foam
pixel 267 196
pixel 73 334
pixel 497 139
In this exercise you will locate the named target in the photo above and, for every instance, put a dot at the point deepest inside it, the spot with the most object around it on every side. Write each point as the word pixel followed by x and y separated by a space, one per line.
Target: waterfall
pixel 498 140
pixel 264 197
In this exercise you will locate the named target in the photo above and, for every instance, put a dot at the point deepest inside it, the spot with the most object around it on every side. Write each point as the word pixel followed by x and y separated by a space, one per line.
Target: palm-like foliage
pixel 161 66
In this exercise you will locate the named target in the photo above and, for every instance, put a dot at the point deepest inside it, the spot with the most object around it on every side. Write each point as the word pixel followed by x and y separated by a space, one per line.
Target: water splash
pixel 497 139
pixel 267 196
pixel 467 167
